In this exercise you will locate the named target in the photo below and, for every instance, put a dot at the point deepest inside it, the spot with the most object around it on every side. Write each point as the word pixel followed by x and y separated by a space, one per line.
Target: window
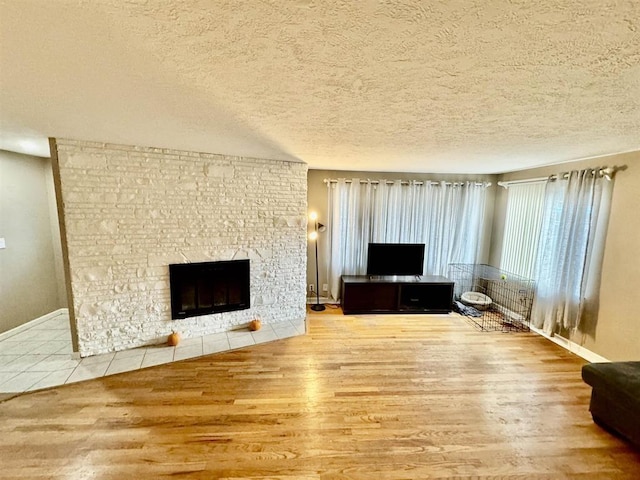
pixel 525 202
pixel 448 217
pixel 555 233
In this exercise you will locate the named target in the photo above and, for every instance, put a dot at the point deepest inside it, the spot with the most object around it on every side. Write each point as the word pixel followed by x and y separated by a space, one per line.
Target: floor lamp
pixel 317 227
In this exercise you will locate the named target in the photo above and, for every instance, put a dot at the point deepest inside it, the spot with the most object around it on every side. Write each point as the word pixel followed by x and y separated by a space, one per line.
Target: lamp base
pixel 317 307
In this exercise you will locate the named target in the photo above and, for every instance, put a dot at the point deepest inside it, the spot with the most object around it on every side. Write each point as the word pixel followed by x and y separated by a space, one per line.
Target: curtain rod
pixel 607 172
pixel 407 182
pixel 508 183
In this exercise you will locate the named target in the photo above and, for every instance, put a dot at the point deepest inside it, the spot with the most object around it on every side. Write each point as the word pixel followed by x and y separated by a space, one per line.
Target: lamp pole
pixel 318 307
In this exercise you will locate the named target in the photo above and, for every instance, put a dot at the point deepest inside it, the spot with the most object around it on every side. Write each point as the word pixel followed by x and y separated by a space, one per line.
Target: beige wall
pixel 317 201
pixel 31 282
pixel 617 333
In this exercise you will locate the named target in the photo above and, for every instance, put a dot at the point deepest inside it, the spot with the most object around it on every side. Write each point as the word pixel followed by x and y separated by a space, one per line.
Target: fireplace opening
pixel 208 287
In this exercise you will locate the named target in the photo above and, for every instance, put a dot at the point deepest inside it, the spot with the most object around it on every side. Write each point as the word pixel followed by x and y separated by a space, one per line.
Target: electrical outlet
pixel 325 287
pixel 312 287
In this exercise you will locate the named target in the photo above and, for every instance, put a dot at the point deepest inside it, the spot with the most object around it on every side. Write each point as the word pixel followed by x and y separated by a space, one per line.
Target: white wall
pixel 31 282
pixel 129 212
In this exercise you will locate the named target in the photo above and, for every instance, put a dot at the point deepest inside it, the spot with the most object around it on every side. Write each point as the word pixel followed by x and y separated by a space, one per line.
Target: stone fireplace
pixel 130 212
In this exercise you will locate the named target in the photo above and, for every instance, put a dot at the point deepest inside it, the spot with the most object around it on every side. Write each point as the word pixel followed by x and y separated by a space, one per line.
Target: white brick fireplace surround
pixel 129 212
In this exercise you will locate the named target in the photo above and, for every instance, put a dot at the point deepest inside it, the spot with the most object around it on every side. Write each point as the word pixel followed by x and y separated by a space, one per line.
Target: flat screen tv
pixel 395 259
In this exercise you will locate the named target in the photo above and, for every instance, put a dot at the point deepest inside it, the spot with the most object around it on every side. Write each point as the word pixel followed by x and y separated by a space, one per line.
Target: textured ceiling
pixel 473 86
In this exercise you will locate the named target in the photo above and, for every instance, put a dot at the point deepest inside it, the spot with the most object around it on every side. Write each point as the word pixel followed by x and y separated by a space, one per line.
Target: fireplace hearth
pixel 208 287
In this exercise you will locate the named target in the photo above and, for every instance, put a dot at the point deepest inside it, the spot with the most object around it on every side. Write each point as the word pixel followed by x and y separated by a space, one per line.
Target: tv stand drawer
pixel 369 297
pixel 420 294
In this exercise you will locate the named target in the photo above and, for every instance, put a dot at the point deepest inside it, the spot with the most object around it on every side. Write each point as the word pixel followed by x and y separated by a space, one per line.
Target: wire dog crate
pixel 506 300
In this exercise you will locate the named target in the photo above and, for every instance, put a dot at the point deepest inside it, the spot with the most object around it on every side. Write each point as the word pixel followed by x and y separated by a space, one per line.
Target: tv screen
pixel 395 259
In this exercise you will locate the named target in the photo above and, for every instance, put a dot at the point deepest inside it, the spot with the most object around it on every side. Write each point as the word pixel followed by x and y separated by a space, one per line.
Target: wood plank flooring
pixel 367 397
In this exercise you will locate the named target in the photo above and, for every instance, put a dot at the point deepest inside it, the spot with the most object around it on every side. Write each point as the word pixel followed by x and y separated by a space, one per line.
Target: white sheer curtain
pixel 447 217
pixel 570 251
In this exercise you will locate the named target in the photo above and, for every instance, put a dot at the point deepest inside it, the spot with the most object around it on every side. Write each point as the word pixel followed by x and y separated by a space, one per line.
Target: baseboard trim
pixel 32 323
pixel 573 347
pixel 323 300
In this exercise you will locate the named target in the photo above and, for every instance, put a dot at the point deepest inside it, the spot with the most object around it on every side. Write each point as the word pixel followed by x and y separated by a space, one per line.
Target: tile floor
pixel 41 356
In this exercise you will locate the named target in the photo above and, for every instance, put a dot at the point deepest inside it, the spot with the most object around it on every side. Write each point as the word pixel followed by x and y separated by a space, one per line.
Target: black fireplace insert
pixel 208 287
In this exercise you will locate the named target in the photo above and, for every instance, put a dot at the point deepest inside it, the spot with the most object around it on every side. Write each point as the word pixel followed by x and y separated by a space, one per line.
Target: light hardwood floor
pixel 393 397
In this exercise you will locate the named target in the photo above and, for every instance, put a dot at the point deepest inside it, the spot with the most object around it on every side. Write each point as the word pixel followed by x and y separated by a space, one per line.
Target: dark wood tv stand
pixel 396 294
